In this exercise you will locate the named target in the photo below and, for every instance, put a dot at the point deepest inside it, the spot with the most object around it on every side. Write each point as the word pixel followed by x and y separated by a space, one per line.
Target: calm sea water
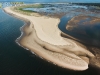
pixel 14 60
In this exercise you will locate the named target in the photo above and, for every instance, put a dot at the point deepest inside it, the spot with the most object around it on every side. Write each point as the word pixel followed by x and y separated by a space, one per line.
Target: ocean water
pixel 14 60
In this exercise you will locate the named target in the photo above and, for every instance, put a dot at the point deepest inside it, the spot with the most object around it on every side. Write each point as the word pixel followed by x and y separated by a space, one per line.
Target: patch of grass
pixel 0 5
pixel 20 9
pixel 16 3
pixel 97 7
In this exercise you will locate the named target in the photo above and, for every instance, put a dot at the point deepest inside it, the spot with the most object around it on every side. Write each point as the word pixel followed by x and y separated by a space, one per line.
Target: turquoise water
pixel 14 60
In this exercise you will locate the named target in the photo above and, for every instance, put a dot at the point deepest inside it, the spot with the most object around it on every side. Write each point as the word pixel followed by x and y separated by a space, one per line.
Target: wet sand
pixel 43 37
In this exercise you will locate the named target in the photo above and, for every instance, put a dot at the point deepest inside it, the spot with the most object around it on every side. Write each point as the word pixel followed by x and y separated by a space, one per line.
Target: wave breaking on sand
pixel 43 37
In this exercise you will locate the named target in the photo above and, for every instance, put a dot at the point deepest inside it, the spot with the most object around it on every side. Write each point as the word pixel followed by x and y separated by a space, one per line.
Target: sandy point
pixel 43 37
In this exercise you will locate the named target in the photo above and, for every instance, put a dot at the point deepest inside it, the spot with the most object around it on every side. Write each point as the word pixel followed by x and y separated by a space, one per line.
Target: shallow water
pixel 14 60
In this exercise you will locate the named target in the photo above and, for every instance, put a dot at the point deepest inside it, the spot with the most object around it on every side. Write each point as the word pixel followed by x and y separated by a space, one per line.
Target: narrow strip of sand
pixel 43 37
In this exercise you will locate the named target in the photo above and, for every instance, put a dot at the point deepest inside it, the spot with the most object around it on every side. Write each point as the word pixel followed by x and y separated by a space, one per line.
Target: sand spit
pixel 43 37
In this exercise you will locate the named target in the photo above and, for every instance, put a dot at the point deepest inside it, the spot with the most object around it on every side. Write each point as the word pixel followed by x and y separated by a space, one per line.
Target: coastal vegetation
pixel 88 4
pixel 0 5
pixel 20 9
pixel 16 2
pixel 95 7
pixel 92 6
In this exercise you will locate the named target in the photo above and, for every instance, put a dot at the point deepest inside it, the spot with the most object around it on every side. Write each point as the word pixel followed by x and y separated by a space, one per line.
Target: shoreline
pixel 44 46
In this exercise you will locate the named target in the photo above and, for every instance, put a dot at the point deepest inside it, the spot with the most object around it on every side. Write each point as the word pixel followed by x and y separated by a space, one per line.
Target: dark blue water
pixel 91 36
pixel 14 60
pixel 62 25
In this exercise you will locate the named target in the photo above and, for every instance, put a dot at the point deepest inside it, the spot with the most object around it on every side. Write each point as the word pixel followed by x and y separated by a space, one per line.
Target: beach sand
pixel 43 38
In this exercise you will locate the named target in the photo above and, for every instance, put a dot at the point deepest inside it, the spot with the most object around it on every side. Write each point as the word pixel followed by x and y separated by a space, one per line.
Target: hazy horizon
pixel 48 1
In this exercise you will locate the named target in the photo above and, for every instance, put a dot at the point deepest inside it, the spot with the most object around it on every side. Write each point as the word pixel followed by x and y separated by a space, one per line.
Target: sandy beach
pixel 43 37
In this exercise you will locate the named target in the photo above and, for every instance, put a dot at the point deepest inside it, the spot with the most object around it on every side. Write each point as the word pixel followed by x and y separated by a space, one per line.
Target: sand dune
pixel 43 37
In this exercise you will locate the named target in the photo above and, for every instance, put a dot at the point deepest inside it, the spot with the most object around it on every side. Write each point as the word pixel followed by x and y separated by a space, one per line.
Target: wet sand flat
pixel 43 37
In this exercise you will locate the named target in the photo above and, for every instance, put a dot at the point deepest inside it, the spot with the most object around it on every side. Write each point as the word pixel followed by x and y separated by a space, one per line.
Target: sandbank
pixel 43 37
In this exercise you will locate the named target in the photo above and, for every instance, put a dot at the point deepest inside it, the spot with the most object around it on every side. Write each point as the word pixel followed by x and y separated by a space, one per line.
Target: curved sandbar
pixel 43 37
